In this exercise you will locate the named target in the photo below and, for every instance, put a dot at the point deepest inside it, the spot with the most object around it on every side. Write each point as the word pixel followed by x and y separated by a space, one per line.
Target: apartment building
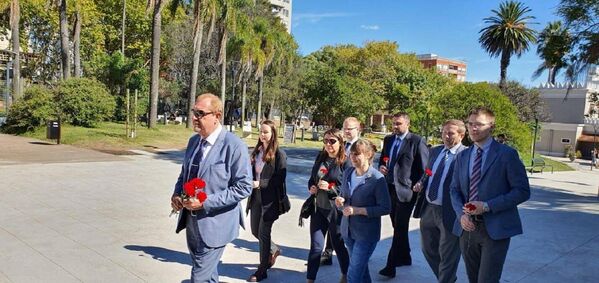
pixel 448 67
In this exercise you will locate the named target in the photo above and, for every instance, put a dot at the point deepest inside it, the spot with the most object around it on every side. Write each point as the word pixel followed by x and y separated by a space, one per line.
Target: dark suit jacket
pixel 410 163
pixel 503 186
pixel 272 186
pixel 371 194
pixel 226 171
pixel 421 203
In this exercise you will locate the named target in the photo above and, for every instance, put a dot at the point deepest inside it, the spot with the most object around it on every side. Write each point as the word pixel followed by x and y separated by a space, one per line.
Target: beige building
pixel 283 9
pixel 448 67
pixel 566 125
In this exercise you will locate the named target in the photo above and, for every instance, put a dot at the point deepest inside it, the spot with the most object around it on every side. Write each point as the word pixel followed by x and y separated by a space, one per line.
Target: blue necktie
pixel 475 177
pixel 195 163
pixel 394 152
pixel 433 189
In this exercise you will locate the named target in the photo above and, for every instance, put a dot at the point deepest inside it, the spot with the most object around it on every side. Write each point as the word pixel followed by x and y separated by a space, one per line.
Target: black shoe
pixel 388 272
pixel 258 276
pixel 405 263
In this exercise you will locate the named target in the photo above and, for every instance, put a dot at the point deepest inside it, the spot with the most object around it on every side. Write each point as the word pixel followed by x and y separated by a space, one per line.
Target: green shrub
pixel 84 102
pixel 31 111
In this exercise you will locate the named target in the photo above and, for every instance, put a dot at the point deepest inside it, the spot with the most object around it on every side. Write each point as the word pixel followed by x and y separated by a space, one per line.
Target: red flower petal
pixel 471 207
pixel 385 159
pixel 201 195
pixel 324 171
pixel 189 189
pixel 331 185
pixel 428 172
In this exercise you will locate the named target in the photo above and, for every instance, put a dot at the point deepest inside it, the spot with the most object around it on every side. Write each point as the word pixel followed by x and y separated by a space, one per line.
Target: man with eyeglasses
pixel 440 246
pixel 221 159
pixel 402 161
pixel 488 183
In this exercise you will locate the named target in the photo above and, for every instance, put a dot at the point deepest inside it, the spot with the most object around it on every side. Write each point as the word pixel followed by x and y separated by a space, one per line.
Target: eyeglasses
pixel 329 141
pixel 199 114
pixel 349 129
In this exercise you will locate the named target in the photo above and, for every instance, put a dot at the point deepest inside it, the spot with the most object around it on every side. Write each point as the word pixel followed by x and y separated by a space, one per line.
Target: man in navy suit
pixel 440 246
pixel 488 183
pixel 221 159
pixel 402 161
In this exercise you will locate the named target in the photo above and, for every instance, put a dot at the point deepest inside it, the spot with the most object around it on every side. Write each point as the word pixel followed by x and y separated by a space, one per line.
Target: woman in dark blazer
pixel 364 199
pixel 269 167
pixel 324 184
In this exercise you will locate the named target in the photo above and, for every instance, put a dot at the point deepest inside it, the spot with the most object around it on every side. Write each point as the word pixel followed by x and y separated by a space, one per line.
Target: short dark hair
pixel 483 110
pixel 404 115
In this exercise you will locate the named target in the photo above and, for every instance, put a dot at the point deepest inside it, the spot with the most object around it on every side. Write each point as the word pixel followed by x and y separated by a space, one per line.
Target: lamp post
pixel 534 140
pixel 593 121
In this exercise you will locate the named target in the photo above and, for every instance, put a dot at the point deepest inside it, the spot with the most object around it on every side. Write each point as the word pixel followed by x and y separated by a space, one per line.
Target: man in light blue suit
pixel 221 159
pixel 440 246
pixel 487 185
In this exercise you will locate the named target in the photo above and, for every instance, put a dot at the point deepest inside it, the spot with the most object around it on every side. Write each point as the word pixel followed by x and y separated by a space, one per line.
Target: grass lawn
pixel 557 166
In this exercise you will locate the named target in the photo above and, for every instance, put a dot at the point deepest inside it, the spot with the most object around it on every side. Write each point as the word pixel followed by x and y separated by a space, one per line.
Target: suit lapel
pixel 491 157
pixel 189 154
pixel 216 148
pixel 465 170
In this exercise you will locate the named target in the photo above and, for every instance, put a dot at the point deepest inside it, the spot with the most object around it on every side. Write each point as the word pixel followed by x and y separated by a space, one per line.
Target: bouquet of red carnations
pixel 193 189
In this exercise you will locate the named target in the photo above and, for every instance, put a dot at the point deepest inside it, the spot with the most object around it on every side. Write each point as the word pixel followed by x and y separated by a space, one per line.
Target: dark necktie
pixel 475 177
pixel 433 189
pixel 394 152
pixel 195 163
pixel 347 146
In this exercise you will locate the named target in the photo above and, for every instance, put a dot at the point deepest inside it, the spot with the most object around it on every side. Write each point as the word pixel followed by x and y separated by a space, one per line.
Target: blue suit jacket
pixel 226 170
pixel 503 186
pixel 421 203
pixel 371 194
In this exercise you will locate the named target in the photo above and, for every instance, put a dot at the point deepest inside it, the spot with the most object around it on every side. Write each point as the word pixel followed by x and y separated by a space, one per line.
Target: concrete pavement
pixel 74 220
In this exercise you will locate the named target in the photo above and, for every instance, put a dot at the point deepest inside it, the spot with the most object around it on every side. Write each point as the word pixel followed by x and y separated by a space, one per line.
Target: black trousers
pixel 262 231
pixel 318 225
pixel 483 256
pixel 399 253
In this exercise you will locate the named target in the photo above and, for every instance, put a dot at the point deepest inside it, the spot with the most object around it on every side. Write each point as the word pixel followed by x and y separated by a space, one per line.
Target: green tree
pixel 507 33
pixel 553 44
pixel 33 110
pixel 580 17
pixel 458 102
pixel 528 101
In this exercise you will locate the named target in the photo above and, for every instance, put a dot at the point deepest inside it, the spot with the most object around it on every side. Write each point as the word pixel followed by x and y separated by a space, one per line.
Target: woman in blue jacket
pixel 364 199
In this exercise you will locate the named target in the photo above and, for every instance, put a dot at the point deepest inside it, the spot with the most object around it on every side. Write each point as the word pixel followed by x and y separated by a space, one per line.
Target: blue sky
pixel 448 28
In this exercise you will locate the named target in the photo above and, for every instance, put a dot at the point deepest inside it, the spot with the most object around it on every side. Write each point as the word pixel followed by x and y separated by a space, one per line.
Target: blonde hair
pixel 364 146
pixel 215 104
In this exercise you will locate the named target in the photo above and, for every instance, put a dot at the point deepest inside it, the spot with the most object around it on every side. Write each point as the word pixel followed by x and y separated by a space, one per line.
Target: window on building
pixel 453 67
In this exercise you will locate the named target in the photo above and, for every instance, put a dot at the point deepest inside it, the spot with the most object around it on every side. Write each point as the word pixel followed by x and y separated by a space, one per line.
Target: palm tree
pixel 156 6
pixel 64 39
pixel 554 43
pixel 507 34
pixel 203 11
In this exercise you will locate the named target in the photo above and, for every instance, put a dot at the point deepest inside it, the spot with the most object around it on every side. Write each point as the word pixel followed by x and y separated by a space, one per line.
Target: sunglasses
pixel 329 141
pixel 199 114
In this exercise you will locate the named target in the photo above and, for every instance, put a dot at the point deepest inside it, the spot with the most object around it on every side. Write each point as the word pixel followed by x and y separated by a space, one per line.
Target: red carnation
pixel 470 207
pixel 324 171
pixel 428 172
pixel 201 195
pixel 331 185
pixel 386 160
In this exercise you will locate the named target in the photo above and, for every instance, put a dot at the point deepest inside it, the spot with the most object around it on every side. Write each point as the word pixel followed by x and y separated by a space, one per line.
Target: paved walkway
pixel 73 220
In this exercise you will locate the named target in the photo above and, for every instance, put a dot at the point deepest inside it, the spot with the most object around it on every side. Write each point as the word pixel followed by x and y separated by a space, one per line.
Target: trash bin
pixel 53 130
pixel 314 134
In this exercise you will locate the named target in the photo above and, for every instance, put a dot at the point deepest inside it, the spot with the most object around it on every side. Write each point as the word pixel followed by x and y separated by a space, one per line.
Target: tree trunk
pixel 551 75
pixel 77 44
pixel 259 115
pixel 272 106
pixel 198 33
pixel 16 63
pixel 155 63
pixel 64 40
pixel 223 80
pixel 243 93
pixel 505 62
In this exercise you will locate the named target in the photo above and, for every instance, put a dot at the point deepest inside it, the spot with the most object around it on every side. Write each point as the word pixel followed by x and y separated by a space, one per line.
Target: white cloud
pixel 314 18
pixel 371 27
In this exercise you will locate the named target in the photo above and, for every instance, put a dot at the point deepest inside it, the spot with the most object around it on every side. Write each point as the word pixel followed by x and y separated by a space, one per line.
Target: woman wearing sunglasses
pixel 324 182
pixel 269 167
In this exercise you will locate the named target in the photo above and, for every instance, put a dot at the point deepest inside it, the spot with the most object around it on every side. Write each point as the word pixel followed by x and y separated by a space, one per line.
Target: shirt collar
pixel 211 139
pixel 401 137
pixel 453 149
pixel 486 145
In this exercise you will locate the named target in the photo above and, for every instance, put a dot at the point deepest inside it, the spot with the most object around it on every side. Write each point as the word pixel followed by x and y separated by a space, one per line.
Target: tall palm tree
pixel 156 6
pixel 554 43
pixel 204 11
pixel 507 33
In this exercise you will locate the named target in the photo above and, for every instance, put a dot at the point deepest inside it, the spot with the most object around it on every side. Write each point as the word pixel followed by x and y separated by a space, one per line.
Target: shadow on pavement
pixel 161 254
